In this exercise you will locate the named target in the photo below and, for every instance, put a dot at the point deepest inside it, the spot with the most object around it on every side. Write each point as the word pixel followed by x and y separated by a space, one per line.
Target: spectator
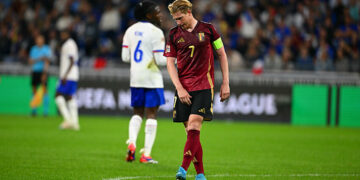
pixel 287 61
pixel 3 11
pixel 236 60
pixel 282 31
pixel 354 52
pixel 248 24
pixel 53 40
pixel 109 22
pixel 4 43
pixel 279 24
pixel 300 15
pixel 338 12
pixel 325 49
pixel 251 55
pixel 91 33
pixel 304 61
pixel 341 62
pixel 272 60
pixel 354 10
pixel 323 62
pixel 355 63
pixel 64 21
pixel 232 9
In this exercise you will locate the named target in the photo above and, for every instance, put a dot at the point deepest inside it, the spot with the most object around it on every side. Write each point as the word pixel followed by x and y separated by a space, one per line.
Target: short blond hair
pixel 180 6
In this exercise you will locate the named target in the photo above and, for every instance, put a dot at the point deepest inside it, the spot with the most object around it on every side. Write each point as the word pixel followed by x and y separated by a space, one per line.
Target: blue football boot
pixel 181 174
pixel 200 177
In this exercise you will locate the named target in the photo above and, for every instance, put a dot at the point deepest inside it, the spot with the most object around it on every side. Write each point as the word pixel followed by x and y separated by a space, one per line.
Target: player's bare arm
pixel 31 61
pixel 225 87
pixel 45 59
pixel 184 96
pixel 45 70
pixel 46 63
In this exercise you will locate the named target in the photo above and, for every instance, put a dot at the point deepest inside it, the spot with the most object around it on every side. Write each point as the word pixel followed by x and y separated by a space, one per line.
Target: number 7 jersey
pixel 194 53
pixel 143 46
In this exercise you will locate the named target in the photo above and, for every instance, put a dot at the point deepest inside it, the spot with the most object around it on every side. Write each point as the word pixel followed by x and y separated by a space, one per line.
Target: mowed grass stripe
pixel 34 148
pixel 242 175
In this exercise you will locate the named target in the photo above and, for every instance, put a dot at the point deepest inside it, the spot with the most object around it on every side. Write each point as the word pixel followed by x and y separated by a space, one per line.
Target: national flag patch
pixel 167 48
pixel 201 36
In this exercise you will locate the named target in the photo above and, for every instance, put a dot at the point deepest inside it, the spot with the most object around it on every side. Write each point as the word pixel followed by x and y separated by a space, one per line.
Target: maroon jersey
pixel 194 53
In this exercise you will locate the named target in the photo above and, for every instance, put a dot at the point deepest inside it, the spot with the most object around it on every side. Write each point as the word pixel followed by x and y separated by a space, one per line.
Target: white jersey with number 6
pixel 69 49
pixel 143 47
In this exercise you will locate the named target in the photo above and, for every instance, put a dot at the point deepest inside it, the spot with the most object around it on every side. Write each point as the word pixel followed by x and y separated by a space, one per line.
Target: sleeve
pixel 158 45
pixel 125 52
pixel 170 48
pixel 32 53
pixel 215 38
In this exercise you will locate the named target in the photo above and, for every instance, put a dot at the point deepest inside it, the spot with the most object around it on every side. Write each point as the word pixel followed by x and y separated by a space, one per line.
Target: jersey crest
pixel 201 36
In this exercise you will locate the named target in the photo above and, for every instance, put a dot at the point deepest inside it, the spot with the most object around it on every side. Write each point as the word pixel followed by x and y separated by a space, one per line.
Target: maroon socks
pixel 198 160
pixel 193 151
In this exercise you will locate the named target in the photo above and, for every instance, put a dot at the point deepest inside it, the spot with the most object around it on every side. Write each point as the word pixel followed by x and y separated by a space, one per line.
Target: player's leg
pixel 46 101
pixel 46 98
pixel 192 144
pixel 198 162
pixel 203 106
pixel 135 124
pixel 72 104
pixel 150 135
pixel 35 81
pixel 137 102
pixel 198 159
pixel 33 109
pixel 193 139
pixel 61 103
pixel 201 110
pixel 181 113
pixel 134 128
pixel 192 149
pixel 64 111
pixel 154 98
pixel 73 109
pixel 67 105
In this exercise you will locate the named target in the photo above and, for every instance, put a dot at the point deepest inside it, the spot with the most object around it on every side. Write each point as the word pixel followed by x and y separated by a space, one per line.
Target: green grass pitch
pixel 34 148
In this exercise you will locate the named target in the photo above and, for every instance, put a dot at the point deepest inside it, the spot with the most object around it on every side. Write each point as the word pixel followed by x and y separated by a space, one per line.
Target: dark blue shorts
pixel 147 97
pixel 69 88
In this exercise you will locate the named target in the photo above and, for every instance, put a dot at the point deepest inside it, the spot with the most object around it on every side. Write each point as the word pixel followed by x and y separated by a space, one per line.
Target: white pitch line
pixel 243 175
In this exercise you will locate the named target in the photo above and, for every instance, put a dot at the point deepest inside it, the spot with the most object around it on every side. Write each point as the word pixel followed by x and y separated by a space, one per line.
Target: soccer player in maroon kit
pixel 191 42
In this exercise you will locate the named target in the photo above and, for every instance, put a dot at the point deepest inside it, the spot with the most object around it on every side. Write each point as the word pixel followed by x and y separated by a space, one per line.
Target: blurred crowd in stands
pixel 312 35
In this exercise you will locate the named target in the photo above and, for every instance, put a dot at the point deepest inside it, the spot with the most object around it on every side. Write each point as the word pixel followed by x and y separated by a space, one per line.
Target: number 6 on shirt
pixel 137 57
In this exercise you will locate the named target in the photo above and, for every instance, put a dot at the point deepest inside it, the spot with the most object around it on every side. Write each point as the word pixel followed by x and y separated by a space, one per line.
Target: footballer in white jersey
pixel 67 85
pixel 143 46
pixel 69 57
